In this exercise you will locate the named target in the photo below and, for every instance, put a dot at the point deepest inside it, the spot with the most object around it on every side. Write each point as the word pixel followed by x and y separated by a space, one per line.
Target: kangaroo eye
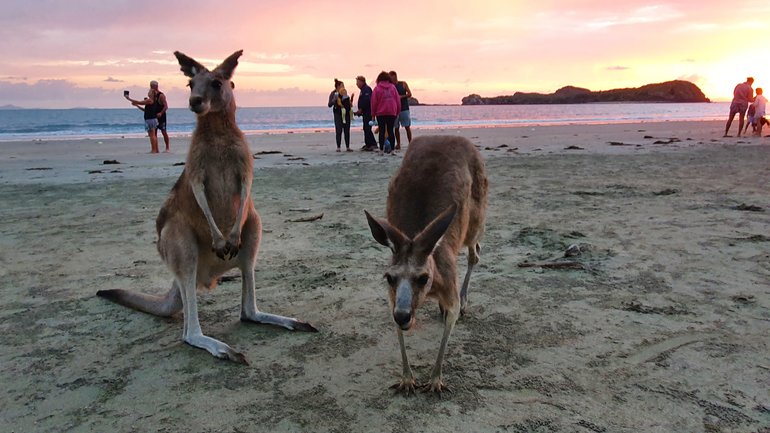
pixel 391 279
pixel 216 84
pixel 422 280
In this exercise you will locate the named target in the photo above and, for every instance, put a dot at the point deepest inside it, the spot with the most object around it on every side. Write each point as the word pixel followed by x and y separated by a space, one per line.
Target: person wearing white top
pixel 760 106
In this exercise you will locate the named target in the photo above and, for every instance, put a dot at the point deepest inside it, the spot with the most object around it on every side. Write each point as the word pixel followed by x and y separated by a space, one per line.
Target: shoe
pixel 364 148
pixel 338 149
pixel 348 150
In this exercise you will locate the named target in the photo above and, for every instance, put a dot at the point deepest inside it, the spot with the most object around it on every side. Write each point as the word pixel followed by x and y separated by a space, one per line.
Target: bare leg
pixel 740 124
pixel 166 140
pixel 398 137
pixel 153 133
pixel 408 134
pixel 407 383
pixel 730 122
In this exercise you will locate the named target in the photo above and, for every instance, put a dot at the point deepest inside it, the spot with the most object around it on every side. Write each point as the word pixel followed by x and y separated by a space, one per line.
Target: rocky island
pixel 670 91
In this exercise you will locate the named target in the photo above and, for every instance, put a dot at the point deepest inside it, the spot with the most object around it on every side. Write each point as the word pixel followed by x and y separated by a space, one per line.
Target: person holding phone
pixel 161 108
pixel 149 107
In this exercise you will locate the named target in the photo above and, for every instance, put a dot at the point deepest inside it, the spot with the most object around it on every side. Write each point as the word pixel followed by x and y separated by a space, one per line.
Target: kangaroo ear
pixel 189 66
pixel 228 65
pixel 427 239
pixel 385 234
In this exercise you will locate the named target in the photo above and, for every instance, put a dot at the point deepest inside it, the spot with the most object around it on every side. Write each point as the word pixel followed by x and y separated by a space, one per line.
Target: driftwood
pixel 306 219
pixel 554 265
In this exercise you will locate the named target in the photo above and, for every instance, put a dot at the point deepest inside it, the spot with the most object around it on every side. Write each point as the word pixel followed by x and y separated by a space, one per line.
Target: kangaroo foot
pixel 289 323
pixel 406 386
pixel 216 348
pixel 436 386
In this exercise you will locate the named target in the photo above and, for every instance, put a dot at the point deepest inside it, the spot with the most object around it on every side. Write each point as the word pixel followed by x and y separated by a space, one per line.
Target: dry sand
pixel 664 330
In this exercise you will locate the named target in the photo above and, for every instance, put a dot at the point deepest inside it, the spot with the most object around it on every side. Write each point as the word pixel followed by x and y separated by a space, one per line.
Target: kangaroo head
pixel 210 91
pixel 410 274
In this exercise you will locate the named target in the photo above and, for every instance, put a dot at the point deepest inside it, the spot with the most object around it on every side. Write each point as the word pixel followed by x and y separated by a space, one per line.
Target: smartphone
pixel 125 93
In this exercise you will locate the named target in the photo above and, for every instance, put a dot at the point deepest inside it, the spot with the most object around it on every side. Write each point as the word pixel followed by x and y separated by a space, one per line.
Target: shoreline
pixel 68 160
pixel 433 119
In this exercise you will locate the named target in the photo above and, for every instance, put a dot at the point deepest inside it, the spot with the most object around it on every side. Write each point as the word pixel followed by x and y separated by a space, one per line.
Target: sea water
pixel 21 124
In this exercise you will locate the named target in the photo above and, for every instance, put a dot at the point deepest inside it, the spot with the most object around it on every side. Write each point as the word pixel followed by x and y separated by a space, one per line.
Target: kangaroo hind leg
pixel 246 260
pixel 180 251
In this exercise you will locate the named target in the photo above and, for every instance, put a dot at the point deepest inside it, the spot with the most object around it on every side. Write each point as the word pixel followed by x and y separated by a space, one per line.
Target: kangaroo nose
pixel 195 101
pixel 403 319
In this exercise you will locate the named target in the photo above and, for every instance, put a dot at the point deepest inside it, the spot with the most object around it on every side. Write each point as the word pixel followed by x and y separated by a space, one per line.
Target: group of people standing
pixel 154 107
pixel 745 102
pixel 387 106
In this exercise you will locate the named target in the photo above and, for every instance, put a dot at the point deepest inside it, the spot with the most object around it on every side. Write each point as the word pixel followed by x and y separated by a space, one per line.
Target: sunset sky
pixel 83 53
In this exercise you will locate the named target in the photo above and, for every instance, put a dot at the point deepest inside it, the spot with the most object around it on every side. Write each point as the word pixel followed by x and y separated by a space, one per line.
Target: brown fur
pixel 436 206
pixel 208 224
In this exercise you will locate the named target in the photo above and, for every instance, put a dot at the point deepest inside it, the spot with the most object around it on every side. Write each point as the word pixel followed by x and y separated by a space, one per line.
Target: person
pixel 742 95
pixel 750 119
pixel 161 108
pixel 365 111
pixel 340 103
pixel 386 105
pixel 404 119
pixel 760 106
pixel 148 106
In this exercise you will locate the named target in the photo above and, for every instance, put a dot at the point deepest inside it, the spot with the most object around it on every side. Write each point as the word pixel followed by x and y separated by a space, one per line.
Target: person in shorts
pixel 404 119
pixel 743 94
pixel 148 106
pixel 161 106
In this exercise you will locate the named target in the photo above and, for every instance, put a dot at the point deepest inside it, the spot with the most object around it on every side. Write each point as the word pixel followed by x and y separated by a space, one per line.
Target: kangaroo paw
pixel 406 386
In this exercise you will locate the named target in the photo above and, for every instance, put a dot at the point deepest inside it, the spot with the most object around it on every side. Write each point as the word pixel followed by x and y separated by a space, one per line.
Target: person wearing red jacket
pixel 386 105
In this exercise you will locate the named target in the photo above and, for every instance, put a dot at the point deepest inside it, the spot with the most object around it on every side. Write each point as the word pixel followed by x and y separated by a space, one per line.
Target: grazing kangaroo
pixel 212 196
pixel 436 206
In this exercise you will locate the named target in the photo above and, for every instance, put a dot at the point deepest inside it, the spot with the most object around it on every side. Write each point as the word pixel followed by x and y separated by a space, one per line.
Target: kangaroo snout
pixel 196 104
pixel 403 319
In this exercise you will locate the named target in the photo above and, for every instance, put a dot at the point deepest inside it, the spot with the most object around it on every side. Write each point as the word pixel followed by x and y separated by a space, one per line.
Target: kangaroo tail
pixel 163 306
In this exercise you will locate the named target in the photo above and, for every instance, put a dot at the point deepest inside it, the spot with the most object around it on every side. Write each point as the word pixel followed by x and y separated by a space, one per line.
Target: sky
pixel 84 53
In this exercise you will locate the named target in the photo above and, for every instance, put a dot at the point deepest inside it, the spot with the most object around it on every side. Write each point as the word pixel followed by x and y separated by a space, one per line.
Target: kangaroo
pixel 436 206
pixel 212 196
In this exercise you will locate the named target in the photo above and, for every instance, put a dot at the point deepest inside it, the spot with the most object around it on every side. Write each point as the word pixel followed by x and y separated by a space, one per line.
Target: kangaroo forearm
pixel 245 191
pixel 200 197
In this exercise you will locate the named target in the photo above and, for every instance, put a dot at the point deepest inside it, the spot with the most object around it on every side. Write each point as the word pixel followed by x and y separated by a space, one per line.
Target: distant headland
pixel 670 91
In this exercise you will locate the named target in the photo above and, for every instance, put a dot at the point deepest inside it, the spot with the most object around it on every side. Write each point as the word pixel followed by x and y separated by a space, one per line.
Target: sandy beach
pixel 664 326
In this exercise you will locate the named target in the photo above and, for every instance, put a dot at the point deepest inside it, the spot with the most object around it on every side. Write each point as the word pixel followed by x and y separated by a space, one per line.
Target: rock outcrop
pixel 670 91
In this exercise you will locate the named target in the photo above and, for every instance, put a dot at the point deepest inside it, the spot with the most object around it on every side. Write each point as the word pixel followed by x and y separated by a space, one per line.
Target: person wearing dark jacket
pixel 340 103
pixel 365 111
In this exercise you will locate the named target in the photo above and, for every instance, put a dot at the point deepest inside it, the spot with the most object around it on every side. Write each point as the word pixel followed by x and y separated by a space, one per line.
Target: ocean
pixel 23 124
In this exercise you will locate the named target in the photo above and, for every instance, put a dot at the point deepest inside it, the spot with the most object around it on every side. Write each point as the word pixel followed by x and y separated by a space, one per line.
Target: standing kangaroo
pixel 212 196
pixel 436 206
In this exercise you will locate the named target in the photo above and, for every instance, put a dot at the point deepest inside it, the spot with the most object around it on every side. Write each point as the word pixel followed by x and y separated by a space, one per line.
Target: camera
pixel 125 93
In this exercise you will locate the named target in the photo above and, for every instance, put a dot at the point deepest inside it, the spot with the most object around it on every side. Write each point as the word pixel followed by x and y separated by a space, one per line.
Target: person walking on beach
pixel 386 105
pixel 340 103
pixel 161 108
pixel 404 118
pixel 148 106
pixel 365 111
pixel 742 95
